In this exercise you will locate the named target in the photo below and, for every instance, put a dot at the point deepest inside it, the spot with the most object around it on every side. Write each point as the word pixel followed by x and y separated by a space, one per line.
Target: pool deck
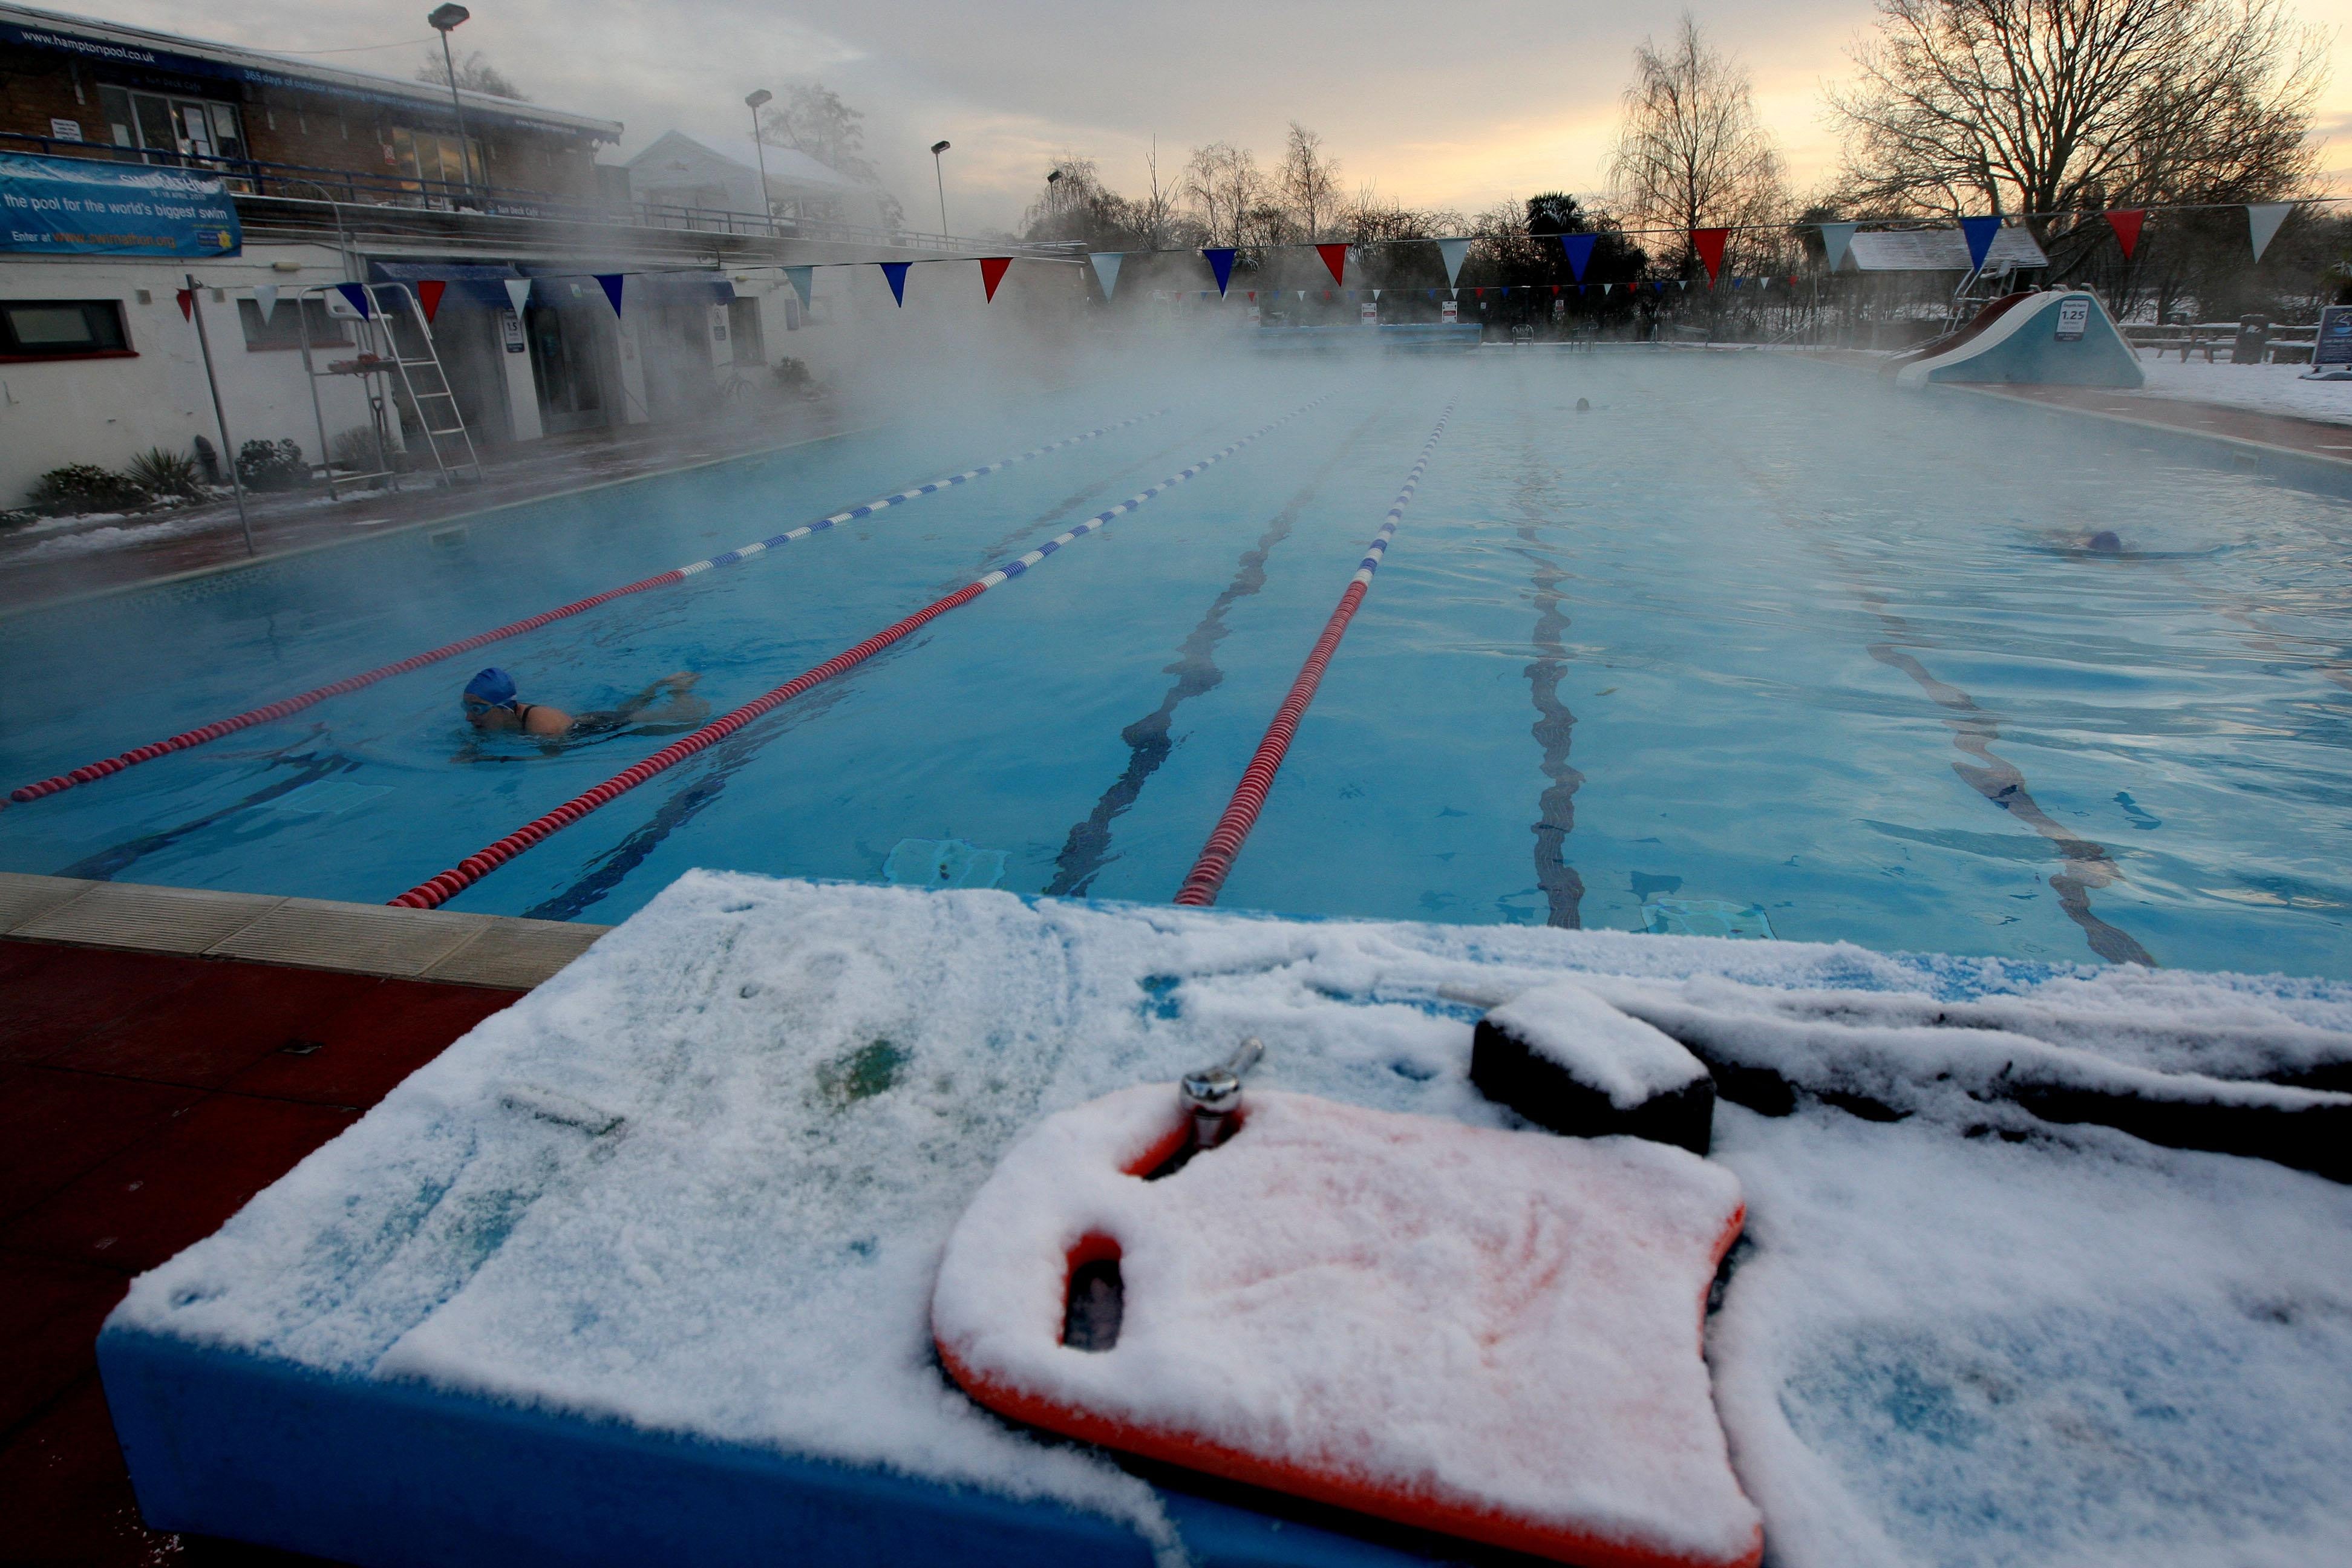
pixel 168 1053
pixel 2242 428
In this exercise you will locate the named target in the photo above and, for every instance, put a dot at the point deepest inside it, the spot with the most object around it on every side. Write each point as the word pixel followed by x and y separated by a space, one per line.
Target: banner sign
pixel 2334 345
pixel 83 206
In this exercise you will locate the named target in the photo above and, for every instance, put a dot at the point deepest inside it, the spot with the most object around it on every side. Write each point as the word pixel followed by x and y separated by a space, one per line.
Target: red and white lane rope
pixel 440 890
pixel 1208 873
pixel 295 704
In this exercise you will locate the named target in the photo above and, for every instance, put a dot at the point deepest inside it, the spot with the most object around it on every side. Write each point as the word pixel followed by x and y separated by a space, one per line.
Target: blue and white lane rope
pixel 438 890
pixel 186 738
pixel 884 504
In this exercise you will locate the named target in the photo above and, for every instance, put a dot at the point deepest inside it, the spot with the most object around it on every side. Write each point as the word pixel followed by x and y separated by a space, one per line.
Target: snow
pixel 110 537
pixel 702 1180
pixel 1600 1047
pixel 1495 1322
pixel 2264 388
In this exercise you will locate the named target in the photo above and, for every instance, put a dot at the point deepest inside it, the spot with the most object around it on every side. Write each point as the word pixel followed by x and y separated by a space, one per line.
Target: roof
pixel 114 43
pixel 791 172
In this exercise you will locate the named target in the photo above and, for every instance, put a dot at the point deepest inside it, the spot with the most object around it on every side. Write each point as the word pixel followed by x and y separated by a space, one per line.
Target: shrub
pixel 161 473
pixel 17 517
pixel 266 465
pixel 356 449
pixel 85 487
pixel 791 375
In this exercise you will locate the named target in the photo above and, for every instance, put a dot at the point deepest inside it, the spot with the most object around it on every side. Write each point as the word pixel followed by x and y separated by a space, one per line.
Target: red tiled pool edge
pixel 144 1096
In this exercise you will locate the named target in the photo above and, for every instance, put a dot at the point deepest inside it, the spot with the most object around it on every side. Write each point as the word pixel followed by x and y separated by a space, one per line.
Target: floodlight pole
pixel 444 20
pixel 752 103
pixel 938 148
pixel 220 415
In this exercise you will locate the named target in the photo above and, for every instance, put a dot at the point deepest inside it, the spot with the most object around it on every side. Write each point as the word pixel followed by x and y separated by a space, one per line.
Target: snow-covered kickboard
pixel 1490 1333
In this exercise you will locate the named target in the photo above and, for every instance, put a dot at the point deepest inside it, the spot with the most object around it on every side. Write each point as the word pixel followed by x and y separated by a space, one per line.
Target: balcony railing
pixel 305 183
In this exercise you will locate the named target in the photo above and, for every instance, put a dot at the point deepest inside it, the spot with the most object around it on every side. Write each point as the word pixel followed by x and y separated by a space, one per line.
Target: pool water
pixel 1754 646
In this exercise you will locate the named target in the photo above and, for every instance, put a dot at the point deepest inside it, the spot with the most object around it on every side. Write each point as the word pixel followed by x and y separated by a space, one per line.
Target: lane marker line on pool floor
pixel 186 738
pixel 1208 873
pixel 438 890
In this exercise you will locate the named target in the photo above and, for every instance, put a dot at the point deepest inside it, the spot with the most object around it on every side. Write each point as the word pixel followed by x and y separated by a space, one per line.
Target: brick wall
pixel 285 126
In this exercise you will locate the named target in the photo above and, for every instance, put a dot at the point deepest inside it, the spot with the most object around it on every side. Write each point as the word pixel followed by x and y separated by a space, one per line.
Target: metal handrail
pixel 254 177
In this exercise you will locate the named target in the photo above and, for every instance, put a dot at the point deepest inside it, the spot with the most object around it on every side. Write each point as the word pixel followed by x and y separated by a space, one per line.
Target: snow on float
pixel 644 1269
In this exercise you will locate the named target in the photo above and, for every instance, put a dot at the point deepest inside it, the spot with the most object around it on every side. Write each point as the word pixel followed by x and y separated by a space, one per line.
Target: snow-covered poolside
pixel 700 1183
pixel 2264 388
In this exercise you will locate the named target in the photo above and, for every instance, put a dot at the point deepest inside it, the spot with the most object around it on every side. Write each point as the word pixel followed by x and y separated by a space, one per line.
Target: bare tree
pixel 1691 153
pixel 1226 189
pixel 2060 106
pixel 811 117
pixel 1309 181
pixel 475 74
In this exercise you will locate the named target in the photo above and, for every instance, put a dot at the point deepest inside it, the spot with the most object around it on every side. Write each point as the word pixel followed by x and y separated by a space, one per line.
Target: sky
pixel 1459 106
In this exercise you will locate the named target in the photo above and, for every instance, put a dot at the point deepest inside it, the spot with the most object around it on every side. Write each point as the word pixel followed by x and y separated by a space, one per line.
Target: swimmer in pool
pixel 493 708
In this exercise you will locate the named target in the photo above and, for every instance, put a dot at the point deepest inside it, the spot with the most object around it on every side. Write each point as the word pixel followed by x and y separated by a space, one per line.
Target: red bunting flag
pixel 2126 222
pixel 187 303
pixel 992 273
pixel 429 294
pixel 1708 243
pixel 1335 256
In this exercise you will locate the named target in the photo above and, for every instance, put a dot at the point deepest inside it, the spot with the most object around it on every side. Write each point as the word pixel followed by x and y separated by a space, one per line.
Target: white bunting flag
pixel 518 293
pixel 1107 269
pixel 1453 251
pixel 1839 238
pixel 266 296
pixel 2262 218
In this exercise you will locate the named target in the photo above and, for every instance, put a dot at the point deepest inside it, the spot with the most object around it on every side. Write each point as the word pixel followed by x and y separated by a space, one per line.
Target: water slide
pixel 2061 336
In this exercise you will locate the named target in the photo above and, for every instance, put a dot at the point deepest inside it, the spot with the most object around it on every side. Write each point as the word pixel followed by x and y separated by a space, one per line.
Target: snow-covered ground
pixel 703 1179
pixel 2264 388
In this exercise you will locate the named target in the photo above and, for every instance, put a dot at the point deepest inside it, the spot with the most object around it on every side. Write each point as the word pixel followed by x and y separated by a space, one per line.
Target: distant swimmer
pixel 492 707
pixel 1584 405
pixel 2107 542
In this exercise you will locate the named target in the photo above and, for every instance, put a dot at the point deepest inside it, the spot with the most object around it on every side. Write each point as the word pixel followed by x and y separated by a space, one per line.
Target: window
pixel 171 130
pixel 61 329
pixel 283 328
pixel 430 158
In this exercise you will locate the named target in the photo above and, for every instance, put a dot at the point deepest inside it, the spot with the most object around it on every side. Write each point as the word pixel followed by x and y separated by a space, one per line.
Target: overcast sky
pixel 1456 105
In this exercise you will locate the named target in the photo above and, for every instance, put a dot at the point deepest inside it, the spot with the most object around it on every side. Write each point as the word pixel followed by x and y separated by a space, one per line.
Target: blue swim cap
pixel 494 686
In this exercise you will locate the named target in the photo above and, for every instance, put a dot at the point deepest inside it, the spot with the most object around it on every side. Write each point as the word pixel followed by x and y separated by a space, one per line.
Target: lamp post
pixel 767 207
pixel 1054 193
pixel 444 20
pixel 938 148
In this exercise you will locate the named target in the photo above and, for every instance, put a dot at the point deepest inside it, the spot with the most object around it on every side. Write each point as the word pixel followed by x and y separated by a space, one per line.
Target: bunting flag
pixel 1708 243
pixel 992 273
pixel 896 271
pixel 264 295
pixel 1376 296
pixel 187 298
pixel 358 295
pixel 2263 220
pixel 519 292
pixel 429 294
pixel 1452 251
pixel 611 283
pixel 1106 264
pixel 1739 283
pixel 1838 237
pixel 1980 231
pixel 1335 256
pixel 1302 293
pixel 1578 247
pixel 2126 222
pixel 1221 262
pixel 1605 288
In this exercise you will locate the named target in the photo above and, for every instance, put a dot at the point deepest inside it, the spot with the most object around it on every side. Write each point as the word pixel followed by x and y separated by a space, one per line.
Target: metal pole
pixel 465 146
pixel 767 206
pixel 943 187
pixel 220 417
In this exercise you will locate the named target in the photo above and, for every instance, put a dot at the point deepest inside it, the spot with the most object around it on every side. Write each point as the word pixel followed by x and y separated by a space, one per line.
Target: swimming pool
pixel 1753 644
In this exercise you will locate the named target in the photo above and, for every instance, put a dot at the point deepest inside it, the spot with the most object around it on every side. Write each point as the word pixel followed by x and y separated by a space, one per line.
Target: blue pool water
pixel 1754 647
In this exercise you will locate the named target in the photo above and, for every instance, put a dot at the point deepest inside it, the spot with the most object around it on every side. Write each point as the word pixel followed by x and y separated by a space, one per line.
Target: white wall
pixel 105 411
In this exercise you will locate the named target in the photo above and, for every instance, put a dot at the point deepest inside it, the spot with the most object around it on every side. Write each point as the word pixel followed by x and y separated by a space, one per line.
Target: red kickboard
pixel 1491 1335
